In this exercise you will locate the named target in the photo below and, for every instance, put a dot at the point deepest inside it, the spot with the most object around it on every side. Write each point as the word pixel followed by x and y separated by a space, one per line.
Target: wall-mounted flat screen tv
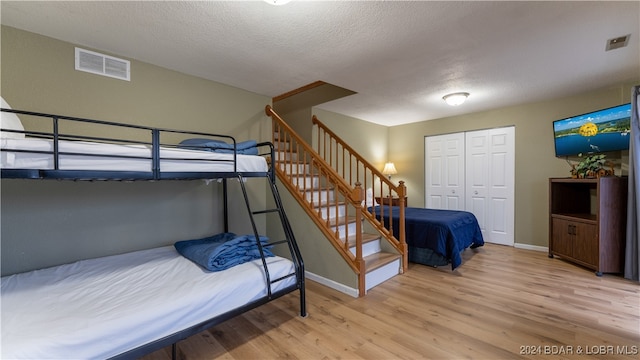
pixel 595 132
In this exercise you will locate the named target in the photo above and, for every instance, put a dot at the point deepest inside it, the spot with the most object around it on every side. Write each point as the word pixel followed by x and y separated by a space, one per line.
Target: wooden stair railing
pixel 352 167
pixel 297 160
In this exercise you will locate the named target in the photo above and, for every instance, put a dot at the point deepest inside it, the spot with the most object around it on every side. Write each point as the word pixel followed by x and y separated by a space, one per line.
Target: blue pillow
pixel 248 147
pixel 202 144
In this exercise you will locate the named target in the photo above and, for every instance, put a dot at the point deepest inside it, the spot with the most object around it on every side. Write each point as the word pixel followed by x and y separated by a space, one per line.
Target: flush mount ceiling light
pixel 277 2
pixel 456 99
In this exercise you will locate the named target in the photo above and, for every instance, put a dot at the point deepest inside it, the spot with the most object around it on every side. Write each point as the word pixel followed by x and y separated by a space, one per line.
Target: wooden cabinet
pixel 587 221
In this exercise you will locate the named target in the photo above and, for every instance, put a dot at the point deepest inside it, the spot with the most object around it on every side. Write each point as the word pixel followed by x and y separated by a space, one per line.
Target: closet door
pixel 477 176
pixel 444 172
pixel 489 174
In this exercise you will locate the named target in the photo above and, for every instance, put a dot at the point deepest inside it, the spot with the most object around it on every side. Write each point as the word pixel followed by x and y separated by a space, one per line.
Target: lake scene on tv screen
pixel 595 132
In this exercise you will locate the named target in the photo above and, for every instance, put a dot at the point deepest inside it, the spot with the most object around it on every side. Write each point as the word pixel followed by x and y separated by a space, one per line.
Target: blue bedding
pixel 222 251
pixel 445 232
pixel 248 147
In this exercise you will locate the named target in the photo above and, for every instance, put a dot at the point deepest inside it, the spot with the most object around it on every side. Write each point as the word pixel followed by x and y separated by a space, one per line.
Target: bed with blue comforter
pixel 435 237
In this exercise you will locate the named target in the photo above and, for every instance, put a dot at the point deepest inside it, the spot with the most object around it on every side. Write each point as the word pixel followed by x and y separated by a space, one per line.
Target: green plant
pixel 589 166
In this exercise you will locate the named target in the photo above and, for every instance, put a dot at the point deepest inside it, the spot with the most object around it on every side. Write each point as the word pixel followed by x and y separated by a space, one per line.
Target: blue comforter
pixel 222 251
pixel 446 232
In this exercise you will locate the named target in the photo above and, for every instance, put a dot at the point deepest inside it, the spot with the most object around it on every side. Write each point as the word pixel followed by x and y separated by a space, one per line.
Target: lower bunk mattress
pixel 99 308
pixel 435 237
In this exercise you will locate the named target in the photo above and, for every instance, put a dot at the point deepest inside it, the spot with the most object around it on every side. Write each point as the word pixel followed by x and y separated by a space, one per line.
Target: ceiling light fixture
pixel 277 2
pixel 456 99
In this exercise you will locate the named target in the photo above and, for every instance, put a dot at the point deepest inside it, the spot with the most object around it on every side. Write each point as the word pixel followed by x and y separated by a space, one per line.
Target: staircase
pixel 335 205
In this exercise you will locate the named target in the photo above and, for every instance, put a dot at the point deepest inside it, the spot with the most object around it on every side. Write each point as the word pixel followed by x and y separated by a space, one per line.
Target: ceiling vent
pixel 618 42
pixel 101 64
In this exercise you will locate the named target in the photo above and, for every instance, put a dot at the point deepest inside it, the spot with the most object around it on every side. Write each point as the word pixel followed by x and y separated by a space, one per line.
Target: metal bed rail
pixel 155 139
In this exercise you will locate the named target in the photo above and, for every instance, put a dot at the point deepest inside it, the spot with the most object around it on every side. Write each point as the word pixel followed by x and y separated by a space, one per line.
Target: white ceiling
pixel 400 57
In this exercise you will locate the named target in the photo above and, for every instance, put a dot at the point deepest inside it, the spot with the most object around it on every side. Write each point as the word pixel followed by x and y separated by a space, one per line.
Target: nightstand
pixel 394 201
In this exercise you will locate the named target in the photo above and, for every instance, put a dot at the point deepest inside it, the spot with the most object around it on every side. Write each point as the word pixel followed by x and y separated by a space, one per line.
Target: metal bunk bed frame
pixel 157 174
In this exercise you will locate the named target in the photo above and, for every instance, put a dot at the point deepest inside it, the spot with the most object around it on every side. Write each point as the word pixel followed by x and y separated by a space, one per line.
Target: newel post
pixel 402 193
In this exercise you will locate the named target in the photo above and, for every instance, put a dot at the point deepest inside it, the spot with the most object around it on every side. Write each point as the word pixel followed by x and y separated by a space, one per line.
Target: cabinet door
pixel 585 246
pixel 562 237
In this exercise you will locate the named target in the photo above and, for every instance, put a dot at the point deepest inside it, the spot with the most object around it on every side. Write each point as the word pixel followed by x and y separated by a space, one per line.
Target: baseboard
pixel 354 292
pixel 531 247
pixel 332 284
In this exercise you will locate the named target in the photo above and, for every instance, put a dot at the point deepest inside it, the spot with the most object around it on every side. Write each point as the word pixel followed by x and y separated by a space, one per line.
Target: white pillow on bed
pixel 369 200
pixel 10 121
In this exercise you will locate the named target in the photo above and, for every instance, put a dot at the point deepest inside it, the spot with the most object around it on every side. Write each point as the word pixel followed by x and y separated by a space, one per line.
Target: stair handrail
pixel 353 194
pixel 399 190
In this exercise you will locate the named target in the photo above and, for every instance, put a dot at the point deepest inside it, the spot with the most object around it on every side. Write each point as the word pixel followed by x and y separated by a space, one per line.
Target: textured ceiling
pixel 400 57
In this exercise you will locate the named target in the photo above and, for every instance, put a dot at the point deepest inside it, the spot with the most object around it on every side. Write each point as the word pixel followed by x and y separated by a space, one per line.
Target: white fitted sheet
pixel 98 308
pixel 186 158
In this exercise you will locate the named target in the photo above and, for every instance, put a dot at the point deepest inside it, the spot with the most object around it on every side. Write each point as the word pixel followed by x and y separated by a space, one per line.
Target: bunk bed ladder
pixel 289 239
pixel 292 244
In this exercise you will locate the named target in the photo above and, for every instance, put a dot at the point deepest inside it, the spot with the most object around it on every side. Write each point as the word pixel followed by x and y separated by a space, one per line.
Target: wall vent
pixel 616 43
pixel 101 64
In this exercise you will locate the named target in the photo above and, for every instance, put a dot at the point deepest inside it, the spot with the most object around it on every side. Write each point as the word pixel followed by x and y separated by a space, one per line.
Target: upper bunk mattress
pixel 91 156
pixel 103 307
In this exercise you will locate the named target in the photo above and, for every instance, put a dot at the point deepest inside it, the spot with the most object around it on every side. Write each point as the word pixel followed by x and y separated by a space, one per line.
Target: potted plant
pixel 591 166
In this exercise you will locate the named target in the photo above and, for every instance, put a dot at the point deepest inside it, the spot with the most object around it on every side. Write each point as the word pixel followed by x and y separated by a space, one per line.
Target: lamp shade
pixel 389 169
pixel 456 99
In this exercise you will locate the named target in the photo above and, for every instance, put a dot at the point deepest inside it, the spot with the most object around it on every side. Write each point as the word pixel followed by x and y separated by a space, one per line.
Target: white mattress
pixel 21 160
pixel 102 307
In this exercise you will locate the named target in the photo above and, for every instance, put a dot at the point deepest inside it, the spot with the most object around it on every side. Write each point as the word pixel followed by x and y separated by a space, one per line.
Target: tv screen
pixel 595 132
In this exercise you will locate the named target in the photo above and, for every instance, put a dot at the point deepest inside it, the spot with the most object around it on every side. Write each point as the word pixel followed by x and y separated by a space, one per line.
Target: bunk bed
pixel 128 305
pixel 434 237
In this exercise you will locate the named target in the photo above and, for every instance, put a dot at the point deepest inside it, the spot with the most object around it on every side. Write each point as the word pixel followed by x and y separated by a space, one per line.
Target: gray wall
pixel 45 223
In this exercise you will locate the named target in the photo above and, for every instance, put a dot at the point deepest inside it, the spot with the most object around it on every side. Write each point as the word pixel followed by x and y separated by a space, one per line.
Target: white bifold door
pixel 474 171
pixel 444 172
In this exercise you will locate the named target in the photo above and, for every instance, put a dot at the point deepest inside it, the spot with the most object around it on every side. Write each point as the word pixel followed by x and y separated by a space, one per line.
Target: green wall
pixel 370 140
pixel 45 223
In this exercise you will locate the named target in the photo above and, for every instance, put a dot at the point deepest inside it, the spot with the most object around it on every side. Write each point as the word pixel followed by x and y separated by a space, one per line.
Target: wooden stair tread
pixel 303 175
pixel 366 238
pixel 314 189
pixel 292 162
pixel 379 259
pixel 342 220
pixel 328 204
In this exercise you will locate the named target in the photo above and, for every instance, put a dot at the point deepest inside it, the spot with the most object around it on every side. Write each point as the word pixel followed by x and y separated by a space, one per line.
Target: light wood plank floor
pixel 502 303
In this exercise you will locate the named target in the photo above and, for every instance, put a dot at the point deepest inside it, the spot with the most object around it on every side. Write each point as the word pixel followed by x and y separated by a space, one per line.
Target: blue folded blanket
pixel 248 147
pixel 222 251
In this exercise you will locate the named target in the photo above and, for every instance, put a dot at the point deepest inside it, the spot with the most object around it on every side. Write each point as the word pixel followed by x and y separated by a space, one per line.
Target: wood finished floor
pixel 502 303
